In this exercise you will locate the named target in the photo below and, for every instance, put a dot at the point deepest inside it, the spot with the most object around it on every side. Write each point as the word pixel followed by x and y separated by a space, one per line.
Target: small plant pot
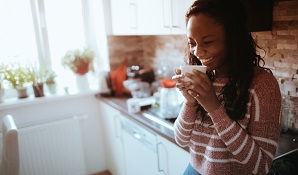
pixel 38 90
pixel 52 87
pixel 22 92
pixel 82 67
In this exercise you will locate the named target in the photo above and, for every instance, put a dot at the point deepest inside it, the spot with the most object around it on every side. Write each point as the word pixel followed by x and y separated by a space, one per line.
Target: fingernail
pixel 191 86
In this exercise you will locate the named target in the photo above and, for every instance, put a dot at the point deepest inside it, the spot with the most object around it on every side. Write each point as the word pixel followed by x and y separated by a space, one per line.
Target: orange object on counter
pixel 167 83
pixel 117 77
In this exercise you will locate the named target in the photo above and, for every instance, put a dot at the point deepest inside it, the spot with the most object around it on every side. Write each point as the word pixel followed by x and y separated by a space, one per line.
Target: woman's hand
pixel 183 87
pixel 202 91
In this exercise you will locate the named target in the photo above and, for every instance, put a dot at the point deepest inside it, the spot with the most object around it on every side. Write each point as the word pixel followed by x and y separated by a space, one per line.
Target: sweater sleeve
pixel 184 124
pixel 255 145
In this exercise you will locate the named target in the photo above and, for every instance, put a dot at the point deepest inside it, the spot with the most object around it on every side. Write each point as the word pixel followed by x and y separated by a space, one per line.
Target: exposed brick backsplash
pixel 280 44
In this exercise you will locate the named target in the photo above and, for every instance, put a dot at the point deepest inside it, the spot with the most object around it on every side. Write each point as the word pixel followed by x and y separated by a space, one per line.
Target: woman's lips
pixel 206 60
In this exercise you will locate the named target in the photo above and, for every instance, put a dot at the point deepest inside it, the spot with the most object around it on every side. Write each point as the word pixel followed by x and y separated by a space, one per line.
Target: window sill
pixel 31 100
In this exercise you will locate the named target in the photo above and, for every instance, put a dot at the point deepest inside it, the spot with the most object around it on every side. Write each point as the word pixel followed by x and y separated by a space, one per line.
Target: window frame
pixel 94 26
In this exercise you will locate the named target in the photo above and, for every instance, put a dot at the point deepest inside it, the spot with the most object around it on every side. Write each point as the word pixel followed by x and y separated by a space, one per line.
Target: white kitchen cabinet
pixel 113 139
pixel 177 158
pixel 123 17
pixel 153 17
pixel 179 9
pixel 148 17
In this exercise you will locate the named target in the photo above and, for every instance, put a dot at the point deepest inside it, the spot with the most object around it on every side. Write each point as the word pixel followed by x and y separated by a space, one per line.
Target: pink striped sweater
pixel 222 146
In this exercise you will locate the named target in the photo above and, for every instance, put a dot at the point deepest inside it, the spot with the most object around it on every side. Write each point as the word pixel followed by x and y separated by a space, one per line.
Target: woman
pixel 230 118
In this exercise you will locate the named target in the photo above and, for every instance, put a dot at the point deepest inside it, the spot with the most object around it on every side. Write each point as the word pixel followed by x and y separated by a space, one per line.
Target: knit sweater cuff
pixel 188 112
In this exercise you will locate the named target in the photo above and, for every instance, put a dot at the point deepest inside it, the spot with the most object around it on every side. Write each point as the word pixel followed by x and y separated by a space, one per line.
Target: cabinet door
pixel 154 17
pixel 113 139
pixel 124 17
pixel 178 11
pixel 149 17
pixel 177 158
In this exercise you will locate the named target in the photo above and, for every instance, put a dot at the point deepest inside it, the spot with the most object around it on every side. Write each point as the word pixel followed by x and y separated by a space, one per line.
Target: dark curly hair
pixel 241 50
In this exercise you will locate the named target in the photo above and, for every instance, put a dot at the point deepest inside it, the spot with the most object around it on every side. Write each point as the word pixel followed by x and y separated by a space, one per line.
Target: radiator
pixel 52 148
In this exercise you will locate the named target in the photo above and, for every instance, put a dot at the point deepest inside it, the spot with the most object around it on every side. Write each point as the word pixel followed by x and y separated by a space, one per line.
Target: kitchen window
pixel 40 32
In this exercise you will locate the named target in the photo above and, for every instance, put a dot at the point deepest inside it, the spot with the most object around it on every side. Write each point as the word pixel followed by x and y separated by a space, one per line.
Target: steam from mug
pixel 189 68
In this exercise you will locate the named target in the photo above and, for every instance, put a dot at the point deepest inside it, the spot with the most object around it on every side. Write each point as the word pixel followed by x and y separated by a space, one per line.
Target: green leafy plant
pixel 36 76
pixel 80 61
pixel 50 76
pixel 16 75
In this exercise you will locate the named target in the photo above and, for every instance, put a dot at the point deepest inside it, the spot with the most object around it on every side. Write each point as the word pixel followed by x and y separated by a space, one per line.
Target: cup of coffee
pixel 189 68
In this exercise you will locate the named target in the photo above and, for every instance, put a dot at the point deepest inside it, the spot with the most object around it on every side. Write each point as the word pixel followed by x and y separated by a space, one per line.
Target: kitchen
pixel 161 50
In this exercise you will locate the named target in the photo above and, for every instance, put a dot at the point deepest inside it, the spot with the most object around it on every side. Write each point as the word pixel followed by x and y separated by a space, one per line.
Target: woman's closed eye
pixel 207 42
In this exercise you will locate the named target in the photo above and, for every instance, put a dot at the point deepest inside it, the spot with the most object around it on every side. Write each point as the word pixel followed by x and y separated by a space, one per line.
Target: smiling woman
pixel 230 118
pixel 39 32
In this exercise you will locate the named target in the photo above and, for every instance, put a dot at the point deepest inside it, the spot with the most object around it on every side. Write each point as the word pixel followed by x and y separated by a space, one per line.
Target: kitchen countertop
pixel 145 120
pixel 287 143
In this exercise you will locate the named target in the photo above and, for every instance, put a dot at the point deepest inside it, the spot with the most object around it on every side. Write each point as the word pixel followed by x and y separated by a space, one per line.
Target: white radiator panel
pixel 53 148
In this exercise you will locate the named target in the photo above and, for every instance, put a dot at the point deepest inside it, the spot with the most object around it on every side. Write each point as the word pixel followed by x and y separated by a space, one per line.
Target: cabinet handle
pixel 133 15
pixel 158 158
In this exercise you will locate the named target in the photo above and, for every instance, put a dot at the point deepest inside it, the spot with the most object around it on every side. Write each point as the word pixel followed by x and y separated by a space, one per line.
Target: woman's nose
pixel 199 52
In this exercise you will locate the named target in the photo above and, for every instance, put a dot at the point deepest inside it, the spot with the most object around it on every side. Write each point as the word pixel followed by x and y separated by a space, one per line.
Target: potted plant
pixel 17 76
pixel 50 76
pixel 80 61
pixel 37 78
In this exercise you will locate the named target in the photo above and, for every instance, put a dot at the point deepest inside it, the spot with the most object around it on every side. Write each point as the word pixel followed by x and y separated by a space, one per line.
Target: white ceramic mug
pixel 189 68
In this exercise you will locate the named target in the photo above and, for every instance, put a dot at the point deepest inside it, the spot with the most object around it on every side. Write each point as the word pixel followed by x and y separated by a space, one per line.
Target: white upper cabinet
pixel 179 9
pixel 148 17
pixel 123 17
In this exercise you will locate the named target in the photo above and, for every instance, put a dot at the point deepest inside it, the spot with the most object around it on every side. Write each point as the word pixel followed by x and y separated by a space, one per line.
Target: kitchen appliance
pixel 137 88
pixel 170 102
pixel 285 165
pixel 134 105
pixel 54 147
pixel 142 152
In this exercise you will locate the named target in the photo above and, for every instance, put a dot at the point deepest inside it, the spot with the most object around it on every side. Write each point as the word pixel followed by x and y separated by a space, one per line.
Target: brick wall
pixel 281 45
pixel 282 56
pixel 165 52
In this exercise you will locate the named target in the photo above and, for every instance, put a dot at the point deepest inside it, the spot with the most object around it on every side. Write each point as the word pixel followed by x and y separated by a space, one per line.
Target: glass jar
pixel 170 103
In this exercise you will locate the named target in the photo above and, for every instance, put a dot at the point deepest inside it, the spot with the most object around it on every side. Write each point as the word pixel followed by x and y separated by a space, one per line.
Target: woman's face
pixel 206 40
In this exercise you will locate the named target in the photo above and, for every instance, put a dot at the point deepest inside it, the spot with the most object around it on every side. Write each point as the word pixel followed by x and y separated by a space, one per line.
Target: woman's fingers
pixel 182 84
pixel 194 94
pixel 177 70
pixel 177 78
pixel 205 95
